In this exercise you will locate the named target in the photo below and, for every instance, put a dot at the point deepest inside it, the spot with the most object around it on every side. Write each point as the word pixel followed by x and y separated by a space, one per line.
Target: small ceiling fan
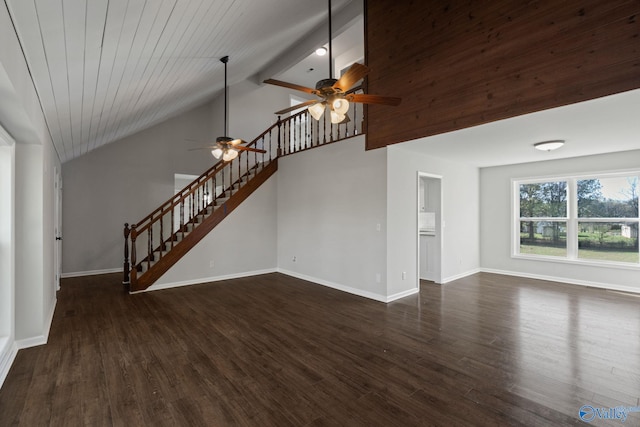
pixel 225 146
pixel 335 94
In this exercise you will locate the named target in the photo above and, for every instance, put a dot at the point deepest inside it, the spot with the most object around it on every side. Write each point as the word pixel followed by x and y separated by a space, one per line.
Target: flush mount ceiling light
pixel 549 145
pixel 321 51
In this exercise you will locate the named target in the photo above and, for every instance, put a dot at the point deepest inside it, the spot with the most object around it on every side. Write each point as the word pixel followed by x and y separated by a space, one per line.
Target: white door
pixel 57 191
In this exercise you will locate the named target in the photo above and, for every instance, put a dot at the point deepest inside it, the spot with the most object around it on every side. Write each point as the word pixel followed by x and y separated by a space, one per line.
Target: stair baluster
pixel 162 248
pixel 280 153
pixel 149 246
pixel 134 259
pixel 173 221
pixel 182 217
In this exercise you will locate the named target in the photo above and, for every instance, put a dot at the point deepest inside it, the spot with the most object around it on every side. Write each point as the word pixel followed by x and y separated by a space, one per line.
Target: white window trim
pixel 571 219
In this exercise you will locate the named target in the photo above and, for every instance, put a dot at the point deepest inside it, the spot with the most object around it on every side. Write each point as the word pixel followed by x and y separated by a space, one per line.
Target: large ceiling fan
pixel 225 146
pixel 335 94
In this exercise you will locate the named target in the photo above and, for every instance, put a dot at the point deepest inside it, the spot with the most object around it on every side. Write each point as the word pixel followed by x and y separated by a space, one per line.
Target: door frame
pixel 439 225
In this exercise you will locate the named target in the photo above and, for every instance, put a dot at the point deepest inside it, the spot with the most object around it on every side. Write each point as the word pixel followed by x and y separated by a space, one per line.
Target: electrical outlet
pixel 378 278
pixel 211 264
pixel 378 227
pixel 404 275
pixel 293 258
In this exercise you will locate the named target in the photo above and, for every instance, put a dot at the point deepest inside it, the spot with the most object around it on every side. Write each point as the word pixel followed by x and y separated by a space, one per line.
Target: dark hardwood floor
pixel 272 350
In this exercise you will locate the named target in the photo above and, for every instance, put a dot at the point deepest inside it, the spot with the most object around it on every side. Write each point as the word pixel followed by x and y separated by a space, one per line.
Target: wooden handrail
pixel 293 134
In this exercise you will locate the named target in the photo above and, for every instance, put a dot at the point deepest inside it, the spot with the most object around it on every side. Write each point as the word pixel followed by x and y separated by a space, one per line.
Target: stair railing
pixel 147 240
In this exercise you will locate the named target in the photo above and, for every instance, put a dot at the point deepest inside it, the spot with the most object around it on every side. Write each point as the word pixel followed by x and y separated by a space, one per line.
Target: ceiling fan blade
pixel 242 147
pixel 353 90
pixel 211 147
pixel 296 107
pixel 236 142
pixel 373 99
pixel 351 76
pixel 290 86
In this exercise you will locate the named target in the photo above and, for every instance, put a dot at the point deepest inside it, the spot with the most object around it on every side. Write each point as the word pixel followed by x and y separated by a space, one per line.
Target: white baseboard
pixel 40 339
pixel 208 279
pixel 348 289
pixel 402 294
pixel 7 356
pixel 91 272
pixel 31 342
pixel 460 276
pixel 569 281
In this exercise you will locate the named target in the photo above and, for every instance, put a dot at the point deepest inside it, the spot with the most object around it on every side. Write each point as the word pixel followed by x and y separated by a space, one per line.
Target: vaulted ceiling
pixel 104 69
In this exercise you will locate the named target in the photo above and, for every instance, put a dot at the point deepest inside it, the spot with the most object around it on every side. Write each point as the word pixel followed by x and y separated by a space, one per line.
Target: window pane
pixel 544 199
pixel 608 241
pixel 615 197
pixel 547 238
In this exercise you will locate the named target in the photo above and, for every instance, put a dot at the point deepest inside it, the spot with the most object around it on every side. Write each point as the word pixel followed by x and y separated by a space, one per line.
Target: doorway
pixel 429 227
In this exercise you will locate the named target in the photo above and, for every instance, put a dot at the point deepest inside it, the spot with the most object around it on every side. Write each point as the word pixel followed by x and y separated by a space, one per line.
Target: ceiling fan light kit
pixel 340 106
pixel 229 155
pixel 226 147
pixel 316 110
pixel 217 152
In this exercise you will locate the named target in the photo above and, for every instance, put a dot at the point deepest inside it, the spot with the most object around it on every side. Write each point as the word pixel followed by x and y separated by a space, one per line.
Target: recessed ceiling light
pixel 321 51
pixel 549 145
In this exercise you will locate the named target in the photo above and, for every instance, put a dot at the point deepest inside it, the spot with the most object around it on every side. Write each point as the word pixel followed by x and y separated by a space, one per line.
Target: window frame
pixel 572 219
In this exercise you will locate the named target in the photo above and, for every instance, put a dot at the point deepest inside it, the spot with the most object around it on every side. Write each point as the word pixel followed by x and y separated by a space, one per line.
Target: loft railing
pixel 150 239
pixel 301 132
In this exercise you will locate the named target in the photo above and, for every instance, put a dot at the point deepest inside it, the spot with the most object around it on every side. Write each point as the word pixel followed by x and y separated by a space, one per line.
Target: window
pixel 543 218
pixel 587 218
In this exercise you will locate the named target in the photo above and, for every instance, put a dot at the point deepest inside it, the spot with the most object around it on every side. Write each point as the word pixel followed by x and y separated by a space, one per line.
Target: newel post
pixel 279 137
pixel 133 275
pixel 126 267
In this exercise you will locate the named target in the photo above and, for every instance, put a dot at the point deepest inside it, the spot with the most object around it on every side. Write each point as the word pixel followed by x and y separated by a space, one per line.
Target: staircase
pixel 155 243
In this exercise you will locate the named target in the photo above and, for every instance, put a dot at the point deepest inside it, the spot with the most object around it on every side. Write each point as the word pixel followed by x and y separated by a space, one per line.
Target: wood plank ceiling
pixel 105 69
pixel 464 63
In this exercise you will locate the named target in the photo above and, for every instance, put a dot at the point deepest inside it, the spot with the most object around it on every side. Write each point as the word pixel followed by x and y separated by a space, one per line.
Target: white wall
pixel 34 261
pixel 460 215
pixel 123 182
pixel 251 109
pixel 495 217
pixel 35 160
pixel 244 243
pixel 330 201
pixel 29 241
pixel 7 253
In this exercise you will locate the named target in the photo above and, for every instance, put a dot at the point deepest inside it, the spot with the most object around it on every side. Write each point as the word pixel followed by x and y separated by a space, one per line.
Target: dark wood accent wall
pixel 458 64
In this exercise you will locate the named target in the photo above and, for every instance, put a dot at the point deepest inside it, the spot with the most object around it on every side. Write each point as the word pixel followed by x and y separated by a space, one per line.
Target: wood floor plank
pixel 272 350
